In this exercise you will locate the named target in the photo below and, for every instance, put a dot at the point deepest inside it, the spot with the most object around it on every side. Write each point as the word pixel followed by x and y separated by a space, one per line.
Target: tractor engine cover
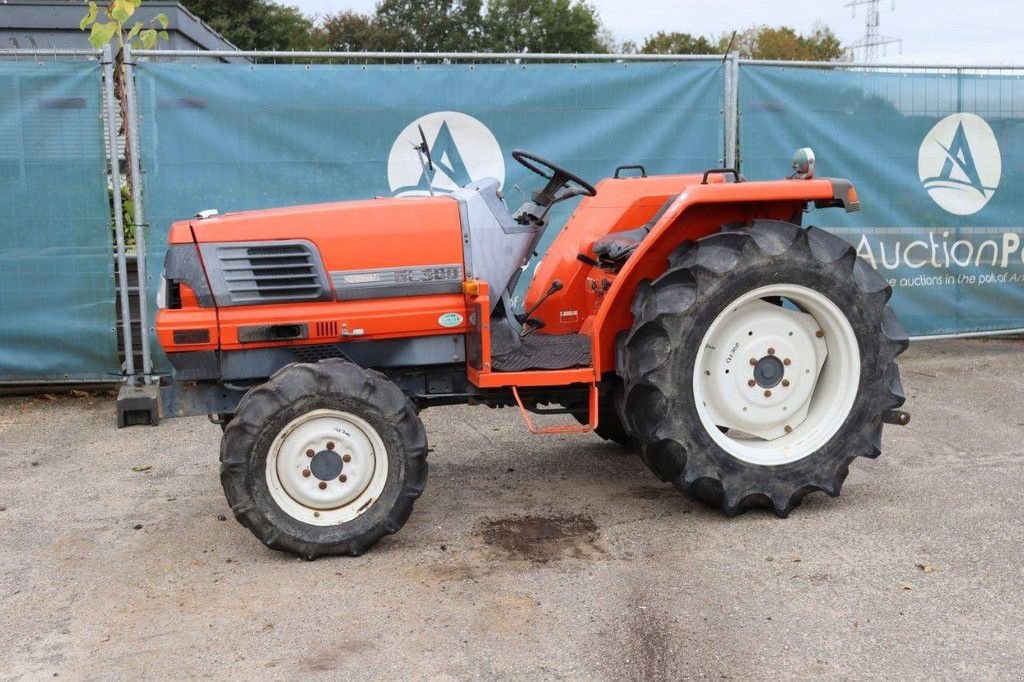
pixel 377 281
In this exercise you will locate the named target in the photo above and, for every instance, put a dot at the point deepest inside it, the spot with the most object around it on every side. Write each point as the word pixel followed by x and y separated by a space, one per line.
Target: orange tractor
pixel 747 359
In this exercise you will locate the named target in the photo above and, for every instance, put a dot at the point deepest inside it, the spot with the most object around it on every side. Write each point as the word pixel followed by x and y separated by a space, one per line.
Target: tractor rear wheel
pixel 324 459
pixel 759 365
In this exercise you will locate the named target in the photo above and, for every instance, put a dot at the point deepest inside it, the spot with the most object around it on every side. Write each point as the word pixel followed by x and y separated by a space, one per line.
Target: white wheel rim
pixel 340 480
pixel 783 417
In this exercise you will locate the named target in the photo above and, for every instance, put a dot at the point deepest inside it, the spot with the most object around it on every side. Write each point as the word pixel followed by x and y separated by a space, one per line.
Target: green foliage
pixel 347 31
pixel 127 214
pixel 429 25
pixel 256 24
pixel 542 26
pixel 678 43
pixel 117 15
pixel 783 42
pixel 756 42
pixel 466 26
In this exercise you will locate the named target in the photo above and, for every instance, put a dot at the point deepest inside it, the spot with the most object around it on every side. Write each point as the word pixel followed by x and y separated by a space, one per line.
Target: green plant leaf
pixel 148 38
pixel 163 35
pixel 121 10
pixel 101 33
pixel 134 32
pixel 90 17
pixel 162 20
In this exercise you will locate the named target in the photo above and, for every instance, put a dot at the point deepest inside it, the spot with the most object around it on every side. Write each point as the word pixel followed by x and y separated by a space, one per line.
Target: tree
pixel 542 26
pixel 347 31
pixel 429 25
pixel 256 24
pixel 678 43
pixel 783 42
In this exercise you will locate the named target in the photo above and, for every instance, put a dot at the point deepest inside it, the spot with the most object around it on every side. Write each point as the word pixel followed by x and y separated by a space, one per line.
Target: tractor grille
pixel 270 274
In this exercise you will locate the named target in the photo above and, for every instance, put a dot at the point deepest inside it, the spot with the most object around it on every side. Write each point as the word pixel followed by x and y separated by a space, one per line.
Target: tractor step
pixel 561 428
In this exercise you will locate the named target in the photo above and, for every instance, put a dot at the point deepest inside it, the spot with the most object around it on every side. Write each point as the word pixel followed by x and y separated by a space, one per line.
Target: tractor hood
pixel 351 235
pixel 345 251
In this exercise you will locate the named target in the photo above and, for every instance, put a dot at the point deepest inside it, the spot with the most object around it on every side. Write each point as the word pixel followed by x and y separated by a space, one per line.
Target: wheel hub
pixel 760 367
pixel 326 465
pixel 768 371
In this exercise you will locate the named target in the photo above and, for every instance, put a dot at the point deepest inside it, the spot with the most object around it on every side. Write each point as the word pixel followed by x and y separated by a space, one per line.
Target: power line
pixel 868 46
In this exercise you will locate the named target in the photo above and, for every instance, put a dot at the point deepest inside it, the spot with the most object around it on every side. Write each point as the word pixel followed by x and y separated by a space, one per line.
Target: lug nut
pixel 330 445
pixel 310 453
pixel 819 333
pixel 346 457
pixel 787 362
pixel 753 361
pixel 751 383
pixel 785 383
pixel 306 472
pixel 771 351
pixel 343 478
pixel 323 485
pixel 767 394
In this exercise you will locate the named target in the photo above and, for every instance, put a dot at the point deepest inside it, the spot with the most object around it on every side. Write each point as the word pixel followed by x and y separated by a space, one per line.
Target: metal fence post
pixel 138 218
pixel 110 116
pixel 731 108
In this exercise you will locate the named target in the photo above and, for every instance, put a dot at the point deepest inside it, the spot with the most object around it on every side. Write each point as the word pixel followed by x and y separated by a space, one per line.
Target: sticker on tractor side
pixel 450 320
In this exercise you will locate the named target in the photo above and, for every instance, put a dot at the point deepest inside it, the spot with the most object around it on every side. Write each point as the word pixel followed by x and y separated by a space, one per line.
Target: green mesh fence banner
pixel 236 137
pixel 57 312
pixel 937 159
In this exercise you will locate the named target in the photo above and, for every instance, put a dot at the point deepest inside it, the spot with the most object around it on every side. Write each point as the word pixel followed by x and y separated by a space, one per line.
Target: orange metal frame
pixel 478 301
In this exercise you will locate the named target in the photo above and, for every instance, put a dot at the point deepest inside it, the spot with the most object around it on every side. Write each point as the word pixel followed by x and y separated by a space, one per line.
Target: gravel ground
pixel 527 556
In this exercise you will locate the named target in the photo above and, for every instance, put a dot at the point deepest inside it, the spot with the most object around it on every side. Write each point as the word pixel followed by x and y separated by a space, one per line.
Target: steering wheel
pixel 555 175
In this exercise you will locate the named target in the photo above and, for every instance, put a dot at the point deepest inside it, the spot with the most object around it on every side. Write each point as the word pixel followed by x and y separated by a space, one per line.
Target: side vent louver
pixel 327 329
pixel 270 273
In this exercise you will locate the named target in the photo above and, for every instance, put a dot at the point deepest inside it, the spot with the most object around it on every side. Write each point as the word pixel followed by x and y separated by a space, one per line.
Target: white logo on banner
pixel 959 163
pixel 462 149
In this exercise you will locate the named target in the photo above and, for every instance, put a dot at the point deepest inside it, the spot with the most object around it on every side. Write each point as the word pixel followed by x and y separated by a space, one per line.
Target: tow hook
pixel 897 417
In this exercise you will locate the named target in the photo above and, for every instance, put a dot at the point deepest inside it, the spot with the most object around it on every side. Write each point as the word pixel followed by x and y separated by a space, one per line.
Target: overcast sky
pixel 978 31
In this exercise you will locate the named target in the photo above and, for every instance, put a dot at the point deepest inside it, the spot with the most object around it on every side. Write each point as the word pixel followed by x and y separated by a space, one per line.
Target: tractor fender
pixel 700 210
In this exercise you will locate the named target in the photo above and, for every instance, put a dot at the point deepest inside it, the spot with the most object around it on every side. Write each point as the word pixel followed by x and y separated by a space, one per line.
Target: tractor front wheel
pixel 759 365
pixel 324 459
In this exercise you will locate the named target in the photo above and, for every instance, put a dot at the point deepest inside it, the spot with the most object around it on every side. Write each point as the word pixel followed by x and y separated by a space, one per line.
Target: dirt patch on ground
pixel 544 538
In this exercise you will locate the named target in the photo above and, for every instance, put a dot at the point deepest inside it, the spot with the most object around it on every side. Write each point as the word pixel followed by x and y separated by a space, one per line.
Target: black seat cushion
pixel 618 246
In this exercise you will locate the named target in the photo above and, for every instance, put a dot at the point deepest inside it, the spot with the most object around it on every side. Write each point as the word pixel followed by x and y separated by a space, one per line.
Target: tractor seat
pixel 617 247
